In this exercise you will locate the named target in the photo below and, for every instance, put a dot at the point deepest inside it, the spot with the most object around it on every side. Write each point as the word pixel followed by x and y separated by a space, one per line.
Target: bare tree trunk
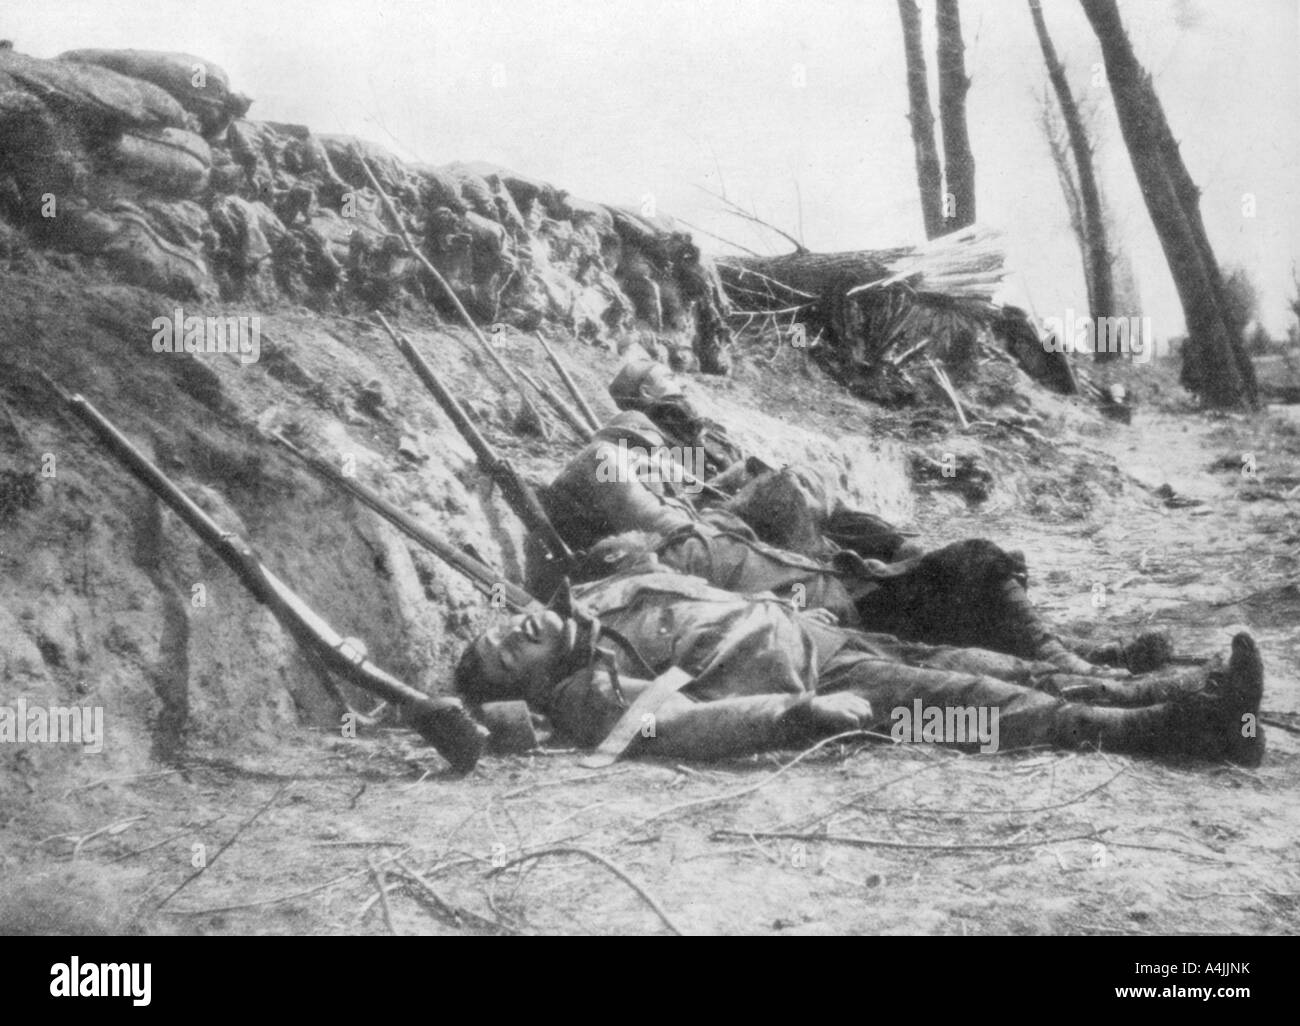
pixel 1215 364
pixel 958 161
pixel 1101 286
pixel 929 175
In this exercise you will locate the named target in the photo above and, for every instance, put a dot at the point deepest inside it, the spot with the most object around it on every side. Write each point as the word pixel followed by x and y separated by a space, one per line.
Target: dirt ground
pixel 852 837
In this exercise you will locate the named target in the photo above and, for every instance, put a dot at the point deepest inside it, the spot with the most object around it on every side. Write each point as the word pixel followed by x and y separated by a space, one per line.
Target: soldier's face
pixel 523 649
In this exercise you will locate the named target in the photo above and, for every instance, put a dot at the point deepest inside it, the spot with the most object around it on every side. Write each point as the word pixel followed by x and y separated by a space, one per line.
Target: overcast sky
pixel 768 100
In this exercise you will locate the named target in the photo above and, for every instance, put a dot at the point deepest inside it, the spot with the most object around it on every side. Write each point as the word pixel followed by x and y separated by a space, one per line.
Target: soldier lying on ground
pixel 968 594
pixel 648 387
pixel 758 674
pixel 761 675
pixel 963 594
pixel 786 507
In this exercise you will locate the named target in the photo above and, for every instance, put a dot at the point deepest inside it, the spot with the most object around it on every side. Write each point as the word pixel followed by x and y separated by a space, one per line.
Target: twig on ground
pixel 575 814
pixel 233 838
pixel 579 779
pixel 1176 851
pixel 79 841
pixel 377 874
pixel 1031 810
pixel 945 383
pixel 165 840
pixel 601 860
pixel 872 842
pixel 119 780
pixel 262 903
pixel 371 901
pixel 457 915
pixel 853 802
pixel 751 788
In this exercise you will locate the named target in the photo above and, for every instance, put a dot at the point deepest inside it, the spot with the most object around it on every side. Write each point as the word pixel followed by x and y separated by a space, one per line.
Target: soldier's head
pixel 508 661
pixel 642 382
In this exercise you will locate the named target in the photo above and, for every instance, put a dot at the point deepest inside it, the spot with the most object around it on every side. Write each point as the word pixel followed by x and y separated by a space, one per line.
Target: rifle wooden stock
pixel 517 493
pixel 480 574
pixel 442 721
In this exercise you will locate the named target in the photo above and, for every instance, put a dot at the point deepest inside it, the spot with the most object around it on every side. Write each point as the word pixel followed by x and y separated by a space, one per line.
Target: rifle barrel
pixel 484 577
pixel 443 721
pixel 520 497
pixel 570 384
pixel 563 409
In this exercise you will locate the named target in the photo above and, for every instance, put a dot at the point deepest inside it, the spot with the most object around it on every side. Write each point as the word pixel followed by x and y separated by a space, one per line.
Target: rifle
pixel 482 576
pixel 569 383
pixel 396 217
pixel 443 722
pixel 564 410
pixel 522 499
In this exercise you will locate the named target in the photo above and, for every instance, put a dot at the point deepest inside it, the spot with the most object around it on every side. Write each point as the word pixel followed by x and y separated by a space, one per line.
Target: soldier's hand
pixel 839 712
pixel 823 616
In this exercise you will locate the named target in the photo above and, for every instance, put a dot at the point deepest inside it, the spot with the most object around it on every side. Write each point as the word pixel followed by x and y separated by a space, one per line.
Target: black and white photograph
pixel 650 468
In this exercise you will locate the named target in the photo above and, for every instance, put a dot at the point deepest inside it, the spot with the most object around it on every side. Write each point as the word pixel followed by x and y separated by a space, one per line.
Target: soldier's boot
pixel 1146 652
pixel 1220 721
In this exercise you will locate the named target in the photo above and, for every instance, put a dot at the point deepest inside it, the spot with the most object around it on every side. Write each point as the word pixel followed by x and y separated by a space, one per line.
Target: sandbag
pixel 137 252
pixel 169 160
pixel 345 152
pixel 199 86
pixel 507 211
pixel 439 188
pixel 581 212
pixel 527 191
pixel 247 231
pixel 44 153
pixel 11 93
pixel 474 190
pixel 101 101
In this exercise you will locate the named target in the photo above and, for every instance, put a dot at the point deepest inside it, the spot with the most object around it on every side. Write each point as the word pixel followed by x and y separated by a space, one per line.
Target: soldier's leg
pixel 1219 721
pixel 1158 686
pixel 1093 688
pixel 971 593
pixel 1141 654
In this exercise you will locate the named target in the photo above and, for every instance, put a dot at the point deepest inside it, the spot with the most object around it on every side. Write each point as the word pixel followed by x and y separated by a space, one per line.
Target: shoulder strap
pixel 647 703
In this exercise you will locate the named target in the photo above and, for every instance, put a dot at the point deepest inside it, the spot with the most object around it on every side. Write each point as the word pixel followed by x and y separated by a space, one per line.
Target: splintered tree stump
pixel 866 312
